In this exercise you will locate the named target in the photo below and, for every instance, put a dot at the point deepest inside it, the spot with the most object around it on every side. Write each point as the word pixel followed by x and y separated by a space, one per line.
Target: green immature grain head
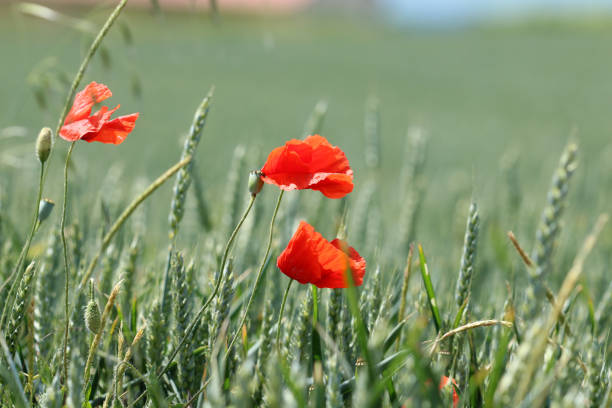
pixel 303 325
pixel 45 301
pixel 183 179
pixel 234 190
pixel 17 315
pixel 468 257
pixel 314 124
pixel 155 338
pixel 181 186
pixel 372 133
pixel 549 227
pixel 411 188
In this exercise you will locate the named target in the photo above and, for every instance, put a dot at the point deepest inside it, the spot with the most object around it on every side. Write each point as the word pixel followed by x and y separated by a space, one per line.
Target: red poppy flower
pixel 312 163
pixel 446 382
pixel 99 127
pixel 310 258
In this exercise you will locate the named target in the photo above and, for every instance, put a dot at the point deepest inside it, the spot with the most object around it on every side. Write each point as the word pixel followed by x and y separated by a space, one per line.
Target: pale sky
pixel 464 11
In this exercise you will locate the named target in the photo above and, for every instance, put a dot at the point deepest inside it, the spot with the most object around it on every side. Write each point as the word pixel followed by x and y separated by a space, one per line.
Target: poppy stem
pixel 316 339
pixel 215 290
pixel 18 271
pixel 280 315
pixel 259 273
pixel 66 267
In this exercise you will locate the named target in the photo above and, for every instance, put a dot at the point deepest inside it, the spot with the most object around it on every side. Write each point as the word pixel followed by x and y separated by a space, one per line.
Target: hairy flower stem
pixel 66 266
pixel 259 273
pixel 280 315
pixel 75 84
pixel 197 317
pixel 26 247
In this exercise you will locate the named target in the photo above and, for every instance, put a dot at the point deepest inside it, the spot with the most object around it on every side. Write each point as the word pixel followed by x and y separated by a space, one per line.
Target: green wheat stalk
pixel 182 183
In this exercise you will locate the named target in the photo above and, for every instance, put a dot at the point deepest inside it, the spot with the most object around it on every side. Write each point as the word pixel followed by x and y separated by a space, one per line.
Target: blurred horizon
pixel 420 14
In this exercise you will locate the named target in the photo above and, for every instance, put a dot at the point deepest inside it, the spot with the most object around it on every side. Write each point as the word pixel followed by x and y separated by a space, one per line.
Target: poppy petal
pixel 297 260
pixel 312 163
pixel 76 130
pixel 335 185
pixel 450 382
pixel 114 131
pixel 86 99
pixel 86 128
pixel 310 258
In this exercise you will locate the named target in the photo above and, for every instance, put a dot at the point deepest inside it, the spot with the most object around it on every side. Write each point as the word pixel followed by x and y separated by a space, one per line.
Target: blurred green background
pixel 480 93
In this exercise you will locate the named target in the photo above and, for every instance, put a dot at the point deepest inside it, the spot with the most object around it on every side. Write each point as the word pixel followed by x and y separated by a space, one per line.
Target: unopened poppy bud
pixel 255 182
pixel 44 142
pixel 44 209
pixel 92 316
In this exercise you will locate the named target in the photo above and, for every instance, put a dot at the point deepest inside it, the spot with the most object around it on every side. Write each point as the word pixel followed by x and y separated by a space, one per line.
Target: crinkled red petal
pixel 312 163
pixel 86 99
pixel 310 258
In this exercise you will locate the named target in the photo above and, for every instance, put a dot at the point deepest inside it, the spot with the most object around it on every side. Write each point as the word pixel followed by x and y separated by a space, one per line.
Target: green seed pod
pixel 44 143
pixel 255 182
pixel 44 209
pixel 92 316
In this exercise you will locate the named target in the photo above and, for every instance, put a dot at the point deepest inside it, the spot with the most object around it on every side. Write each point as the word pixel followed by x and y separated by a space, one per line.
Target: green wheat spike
pixel 47 287
pixel 334 315
pixel 17 315
pixel 550 224
pixel 108 268
pixel 595 381
pixel 52 397
pixel 221 306
pixel 128 273
pixel 183 178
pixel 201 203
pixel 244 385
pixel 411 188
pixel 347 345
pixel 333 394
pixel 314 124
pixel 182 307
pixel 235 194
pixel 264 349
pixel 301 341
pixel 360 214
pixel 372 133
pixel 155 338
pixel 274 382
pixel 466 271
pixel 548 230
pixel 374 299
pixel 181 186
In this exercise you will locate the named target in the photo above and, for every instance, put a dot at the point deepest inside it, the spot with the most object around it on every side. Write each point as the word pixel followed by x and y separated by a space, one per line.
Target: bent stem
pixel 66 265
pixel 216 288
pixel 126 214
pixel 259 273
pixel 280 315
pixel 24 251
